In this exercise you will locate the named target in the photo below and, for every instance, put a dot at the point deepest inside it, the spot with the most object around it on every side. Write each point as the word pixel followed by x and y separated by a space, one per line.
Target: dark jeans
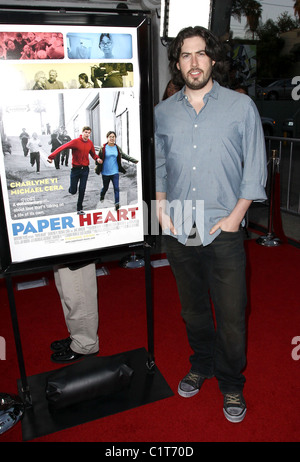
pixel 35 158
pixel 65 157
pixel 57 161
pixel 214 273
pixel 115 181
pixel 24 146
pixel 79 175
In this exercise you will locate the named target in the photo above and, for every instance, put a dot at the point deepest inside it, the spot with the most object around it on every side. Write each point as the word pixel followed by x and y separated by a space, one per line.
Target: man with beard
pixel 52 83
pixel 210 166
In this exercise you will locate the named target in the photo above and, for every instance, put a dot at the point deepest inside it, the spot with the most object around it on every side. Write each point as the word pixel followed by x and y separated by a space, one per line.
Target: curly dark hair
pixel 213 48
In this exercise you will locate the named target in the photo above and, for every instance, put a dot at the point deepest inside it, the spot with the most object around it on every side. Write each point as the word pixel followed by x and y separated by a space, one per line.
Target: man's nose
pixel 194 60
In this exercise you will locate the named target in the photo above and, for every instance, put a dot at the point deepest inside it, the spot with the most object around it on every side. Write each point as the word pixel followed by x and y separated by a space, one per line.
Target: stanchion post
pixel 270 240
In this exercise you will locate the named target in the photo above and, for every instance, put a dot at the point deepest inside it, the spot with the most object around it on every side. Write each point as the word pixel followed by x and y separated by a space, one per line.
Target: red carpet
pixel 272 388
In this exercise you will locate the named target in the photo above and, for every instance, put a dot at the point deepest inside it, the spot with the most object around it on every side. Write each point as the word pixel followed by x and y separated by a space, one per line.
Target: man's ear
pixel 178 66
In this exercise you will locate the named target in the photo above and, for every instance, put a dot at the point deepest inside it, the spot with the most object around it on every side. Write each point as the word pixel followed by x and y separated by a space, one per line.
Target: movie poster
pixel 55 81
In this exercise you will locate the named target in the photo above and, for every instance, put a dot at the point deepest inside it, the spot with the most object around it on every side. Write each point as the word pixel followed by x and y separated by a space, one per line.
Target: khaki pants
pixel 78 293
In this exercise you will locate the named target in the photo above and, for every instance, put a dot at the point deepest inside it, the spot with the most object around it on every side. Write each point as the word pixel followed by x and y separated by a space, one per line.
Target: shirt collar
pixel 214 92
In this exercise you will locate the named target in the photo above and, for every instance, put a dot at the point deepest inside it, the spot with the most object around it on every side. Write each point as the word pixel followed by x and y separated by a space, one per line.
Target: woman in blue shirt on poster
pixel 112 154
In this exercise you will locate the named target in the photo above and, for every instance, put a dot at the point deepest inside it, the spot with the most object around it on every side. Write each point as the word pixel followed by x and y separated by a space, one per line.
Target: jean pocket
pixel 231 232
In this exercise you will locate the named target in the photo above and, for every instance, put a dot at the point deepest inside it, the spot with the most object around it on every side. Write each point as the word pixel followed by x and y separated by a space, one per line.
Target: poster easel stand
pixel 149 306
pixel 26 396
pixel 15 325
pixel 148 385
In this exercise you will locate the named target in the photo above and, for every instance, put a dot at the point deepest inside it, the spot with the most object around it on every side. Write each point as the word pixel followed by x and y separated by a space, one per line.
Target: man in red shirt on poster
pixel 81 148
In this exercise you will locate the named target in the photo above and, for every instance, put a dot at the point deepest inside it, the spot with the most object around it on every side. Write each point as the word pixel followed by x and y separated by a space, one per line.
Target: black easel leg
pixel 149 306
pixel 13 312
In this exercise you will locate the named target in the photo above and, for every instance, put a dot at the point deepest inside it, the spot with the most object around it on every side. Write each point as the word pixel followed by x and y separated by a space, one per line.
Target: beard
pixel 197 83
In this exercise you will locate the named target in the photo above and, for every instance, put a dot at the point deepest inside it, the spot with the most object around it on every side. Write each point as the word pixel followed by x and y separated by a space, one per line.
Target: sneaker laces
pixel 234 407
pixel 233 399
pixel 193 377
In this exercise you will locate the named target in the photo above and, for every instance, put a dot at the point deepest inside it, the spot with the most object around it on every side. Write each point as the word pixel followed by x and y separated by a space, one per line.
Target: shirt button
pixel 195 125
pixel 194 208
pixel 194 189
pixel 195 146
pixel 194 168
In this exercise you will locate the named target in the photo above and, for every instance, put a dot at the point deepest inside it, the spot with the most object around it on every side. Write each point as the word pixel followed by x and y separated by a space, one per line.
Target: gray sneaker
pixel 190 385
pixel 234 407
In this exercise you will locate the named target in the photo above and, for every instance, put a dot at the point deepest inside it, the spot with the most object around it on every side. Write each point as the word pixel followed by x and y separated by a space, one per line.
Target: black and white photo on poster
pixel 41 214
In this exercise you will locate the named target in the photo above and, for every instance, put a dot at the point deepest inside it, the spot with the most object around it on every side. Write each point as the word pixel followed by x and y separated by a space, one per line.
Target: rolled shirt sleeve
pixel 255 167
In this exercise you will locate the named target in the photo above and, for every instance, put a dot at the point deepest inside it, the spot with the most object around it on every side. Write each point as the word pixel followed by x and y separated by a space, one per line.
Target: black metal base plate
pixel 147 386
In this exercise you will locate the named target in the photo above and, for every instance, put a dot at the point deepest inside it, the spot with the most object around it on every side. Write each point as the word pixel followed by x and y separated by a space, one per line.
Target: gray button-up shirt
pixel 205 162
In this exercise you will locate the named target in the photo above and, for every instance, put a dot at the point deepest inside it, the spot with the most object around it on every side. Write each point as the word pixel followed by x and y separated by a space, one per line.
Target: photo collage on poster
pixel 89 77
